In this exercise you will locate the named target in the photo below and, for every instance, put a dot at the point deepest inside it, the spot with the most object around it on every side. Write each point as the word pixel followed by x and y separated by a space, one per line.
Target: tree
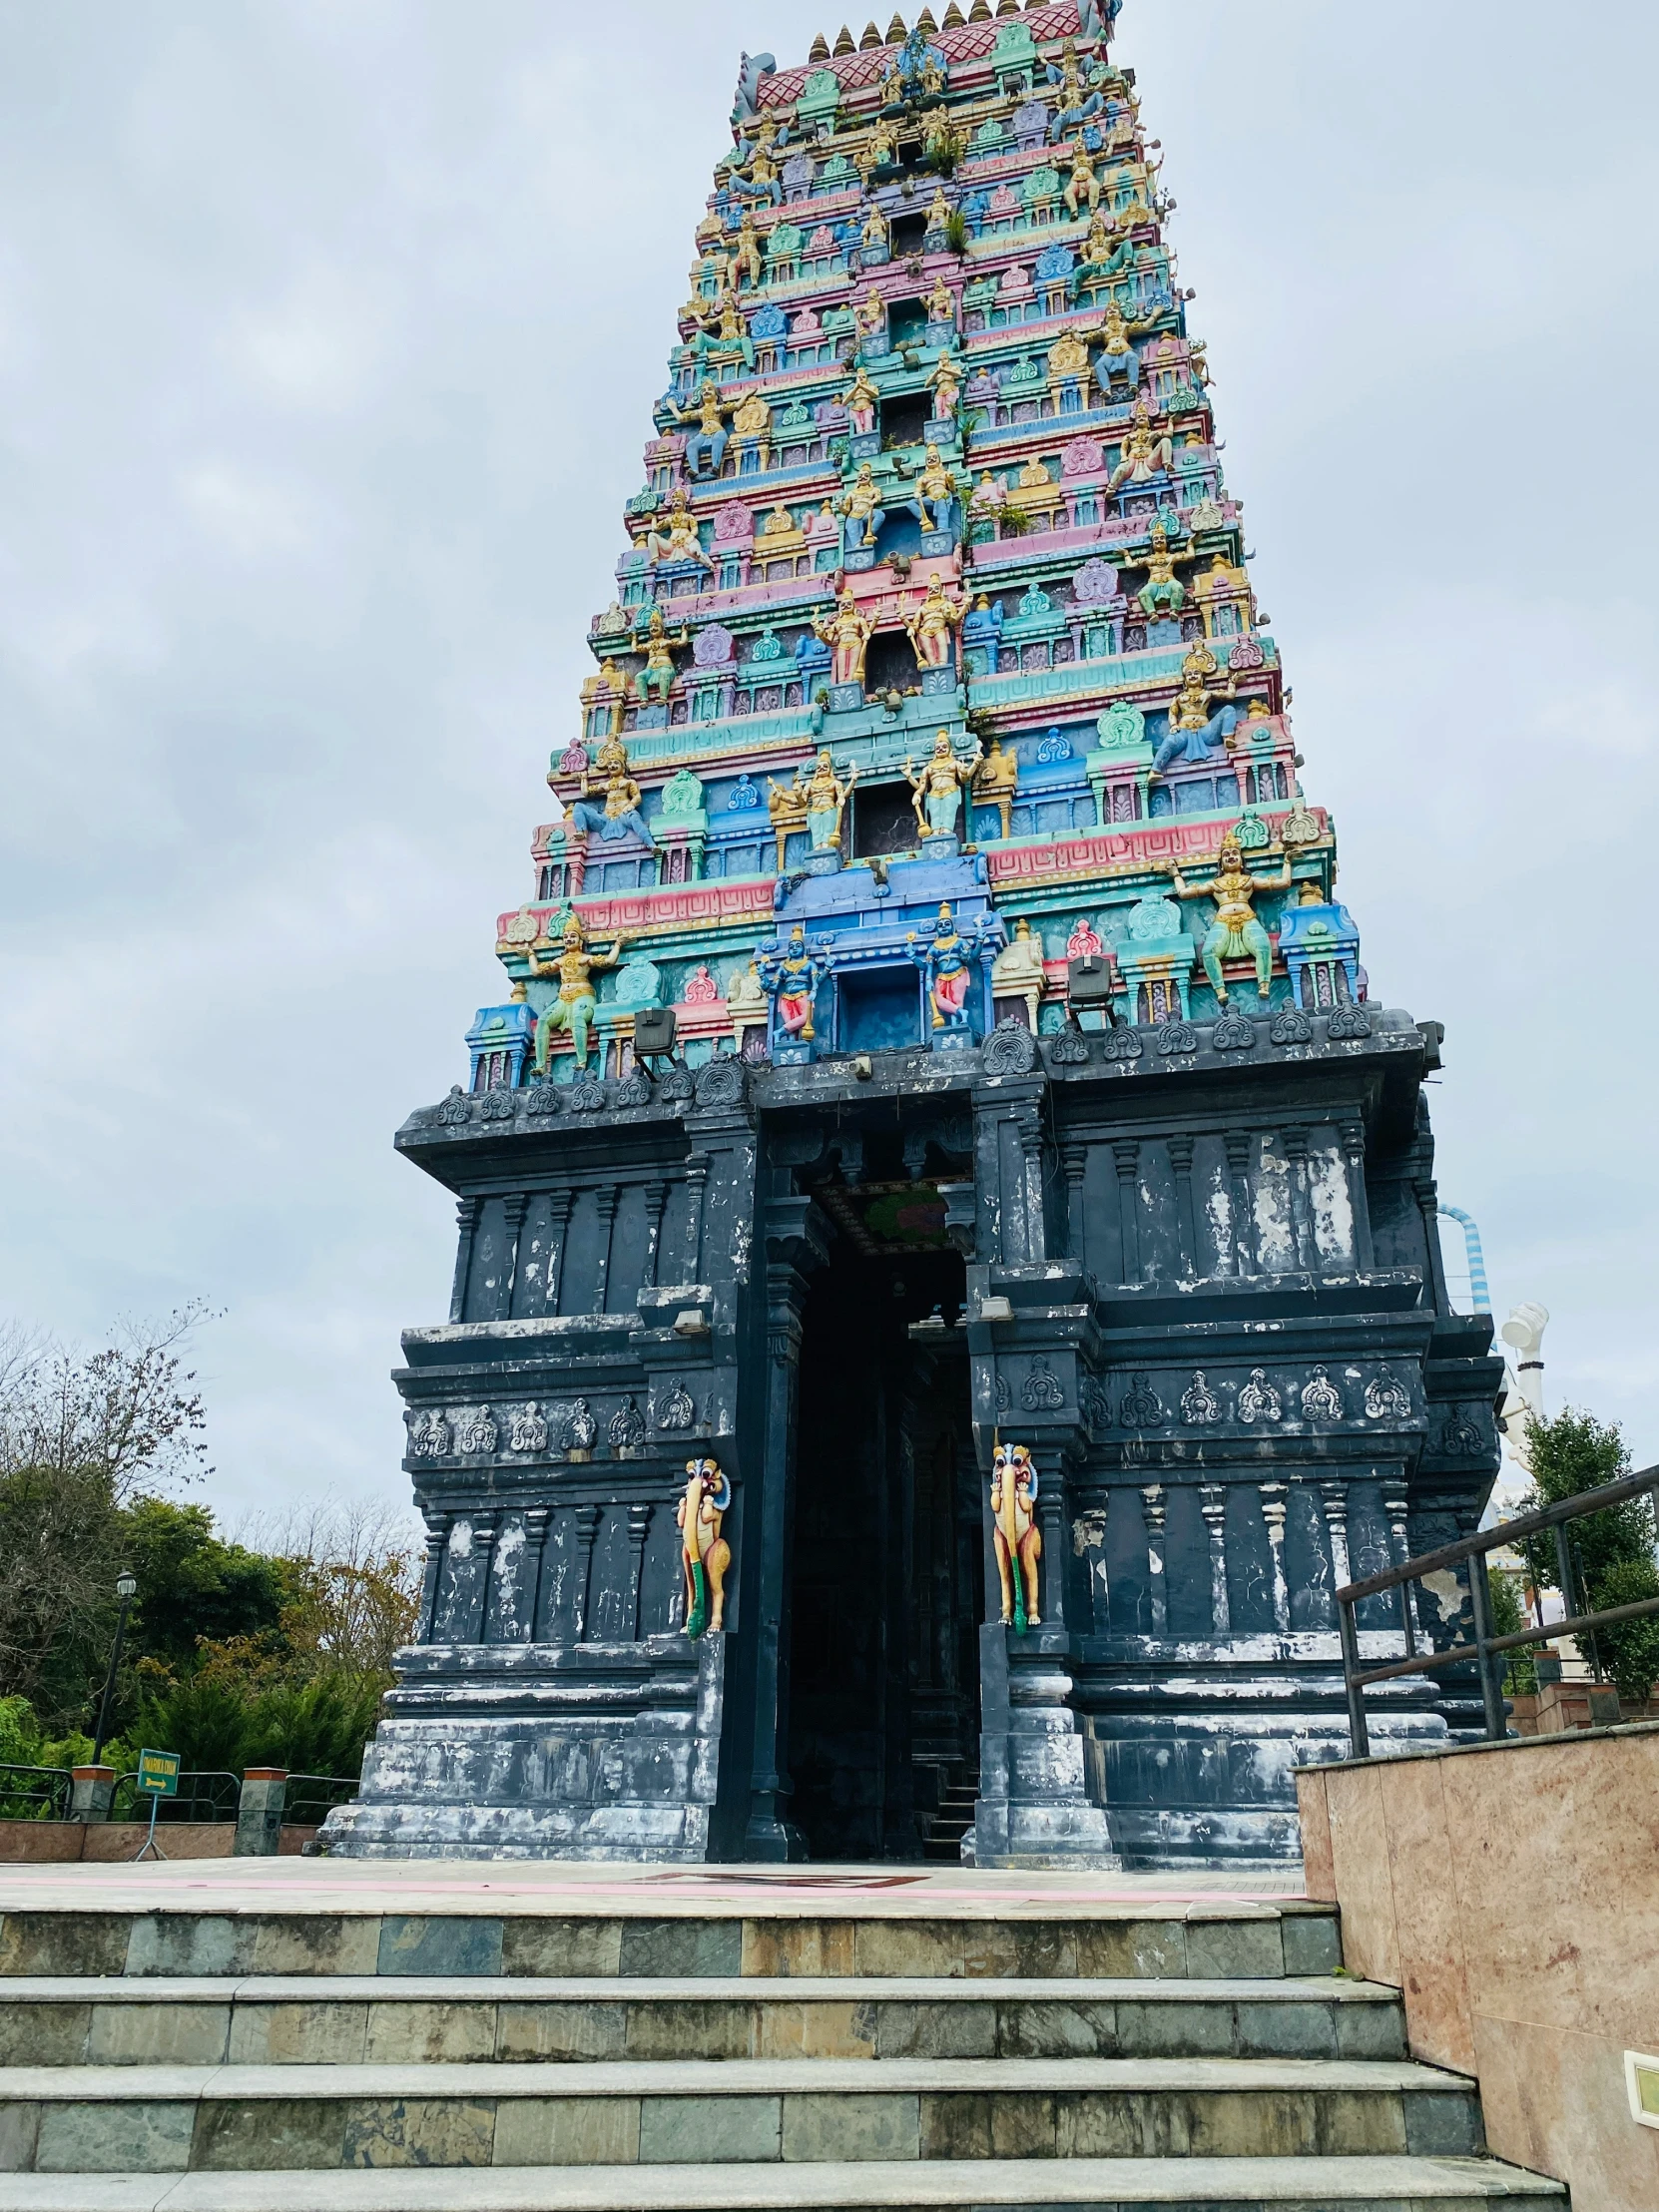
pixel 1614 1548
pixel 79 1435
pixel 193 1589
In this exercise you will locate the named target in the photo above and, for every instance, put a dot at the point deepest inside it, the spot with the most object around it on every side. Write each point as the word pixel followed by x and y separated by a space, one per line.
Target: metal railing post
pixel 1492 1685
pixel 1359 1740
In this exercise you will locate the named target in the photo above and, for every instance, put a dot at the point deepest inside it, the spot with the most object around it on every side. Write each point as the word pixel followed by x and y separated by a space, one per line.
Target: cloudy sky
pixel 328 335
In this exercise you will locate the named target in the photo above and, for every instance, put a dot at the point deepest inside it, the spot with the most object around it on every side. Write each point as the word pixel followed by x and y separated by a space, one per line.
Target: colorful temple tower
pixel 947 1283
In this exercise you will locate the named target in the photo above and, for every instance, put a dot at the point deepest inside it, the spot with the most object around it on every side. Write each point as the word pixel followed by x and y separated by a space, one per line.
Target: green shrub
pixel 1614 1548
pixel 1630 1650
pixel 1520 1676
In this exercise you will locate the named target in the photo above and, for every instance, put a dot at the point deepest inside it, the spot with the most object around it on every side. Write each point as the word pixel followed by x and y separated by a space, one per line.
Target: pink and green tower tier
pixel 937 455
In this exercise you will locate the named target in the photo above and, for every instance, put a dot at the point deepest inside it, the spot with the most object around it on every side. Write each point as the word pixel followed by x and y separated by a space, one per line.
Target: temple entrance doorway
pixel 888 1576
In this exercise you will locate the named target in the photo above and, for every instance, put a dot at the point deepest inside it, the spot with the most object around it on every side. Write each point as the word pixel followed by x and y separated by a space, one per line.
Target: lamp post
pixel 126 1588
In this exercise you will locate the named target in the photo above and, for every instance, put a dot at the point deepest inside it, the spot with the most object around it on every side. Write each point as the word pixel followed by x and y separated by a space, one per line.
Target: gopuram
pixel 922 1395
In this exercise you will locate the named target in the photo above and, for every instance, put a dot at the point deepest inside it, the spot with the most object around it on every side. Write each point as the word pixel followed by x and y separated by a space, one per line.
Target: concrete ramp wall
pixel 1511 1891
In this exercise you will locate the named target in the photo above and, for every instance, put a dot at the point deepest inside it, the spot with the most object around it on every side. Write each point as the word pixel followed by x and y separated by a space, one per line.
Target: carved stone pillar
pixel 1051 1519
pixel 1295 1140
pixel 607 1202
pixel 1186 1227
pixel 1238 1142
pixel 639 1527
pixel 1213 1505
pixel 467 1211
pixel 696 1177
pixel 1126 1151
pixel 1031 1178
pixel 560 1207
pixel 1396 1507
pixel 588 1518
pixel 1334 1497
pixel 656 1199
pixel 536 1522
pixel 1088 1535
pixel 795 1247
pixel 1353 1135
pixel 513 1206
pixel 1075 1158
pixel 483 1548
pixel 438 1539
pixel 1274 1495
pixel 1153 1508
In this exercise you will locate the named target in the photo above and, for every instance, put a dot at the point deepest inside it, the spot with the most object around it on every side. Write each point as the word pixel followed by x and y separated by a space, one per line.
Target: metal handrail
pixel 1483 1646
pixel 321 1791
pixel 45 1793
pixel 197 1786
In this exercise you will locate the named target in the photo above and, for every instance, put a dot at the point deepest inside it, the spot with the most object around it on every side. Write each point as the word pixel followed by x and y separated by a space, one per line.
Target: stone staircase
pixel 1189 2057
pixel 950 1823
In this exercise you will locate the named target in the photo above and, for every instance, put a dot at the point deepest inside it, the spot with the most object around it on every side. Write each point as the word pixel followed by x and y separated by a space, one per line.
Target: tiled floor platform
pixel 574 1889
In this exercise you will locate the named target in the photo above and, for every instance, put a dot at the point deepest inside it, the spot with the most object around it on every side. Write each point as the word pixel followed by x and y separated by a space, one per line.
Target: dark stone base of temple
pixel 1201 1286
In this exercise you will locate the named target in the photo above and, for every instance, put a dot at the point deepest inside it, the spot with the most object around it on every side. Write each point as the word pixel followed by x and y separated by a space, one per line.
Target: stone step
pixel 1384 2184
pixel 1178 1939
pixel 737 2111
pixel 282 2020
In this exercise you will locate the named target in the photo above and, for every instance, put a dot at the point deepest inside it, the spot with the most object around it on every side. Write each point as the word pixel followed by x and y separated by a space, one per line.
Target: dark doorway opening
pixel 883 820
pixel 890 660
pixel 904 420
pixel 888 1575
pixel 907 319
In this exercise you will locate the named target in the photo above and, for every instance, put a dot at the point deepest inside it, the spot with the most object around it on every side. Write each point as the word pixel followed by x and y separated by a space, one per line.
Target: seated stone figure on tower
pixel 619 816
pixel 1194 732
pixel 705 448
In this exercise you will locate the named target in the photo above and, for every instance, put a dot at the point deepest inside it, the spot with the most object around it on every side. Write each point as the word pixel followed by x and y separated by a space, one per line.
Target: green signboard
pixel 158 1772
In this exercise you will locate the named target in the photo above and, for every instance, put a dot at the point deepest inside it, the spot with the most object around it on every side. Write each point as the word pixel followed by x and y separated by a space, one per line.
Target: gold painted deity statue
pixel 997 781
pixel 934 626
pixel 946 385
pixel 1236 934
pixel 826 796
pixel 1145 451
pixel 787 807
pixel 745 260
pixel 935 491
pixel 573 1010
pixel 704 1555
pixel 861 399
pixel 1018 1540
pixel 1163 592
pixel 1018 970
pixel 675 538
pixel 936 787
pixel 1069 363
pixel 847 633
pixel 1083 183
pixel 657 672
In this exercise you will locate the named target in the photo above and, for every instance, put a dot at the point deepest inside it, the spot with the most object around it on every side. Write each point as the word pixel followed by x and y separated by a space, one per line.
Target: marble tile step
pixel 371 2018
pixel 727 2113
pixel 1176 1938
pixel 1090 2186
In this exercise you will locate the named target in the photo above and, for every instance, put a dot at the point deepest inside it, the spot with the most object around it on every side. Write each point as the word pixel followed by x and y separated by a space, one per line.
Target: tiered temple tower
pixel 1025 1085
